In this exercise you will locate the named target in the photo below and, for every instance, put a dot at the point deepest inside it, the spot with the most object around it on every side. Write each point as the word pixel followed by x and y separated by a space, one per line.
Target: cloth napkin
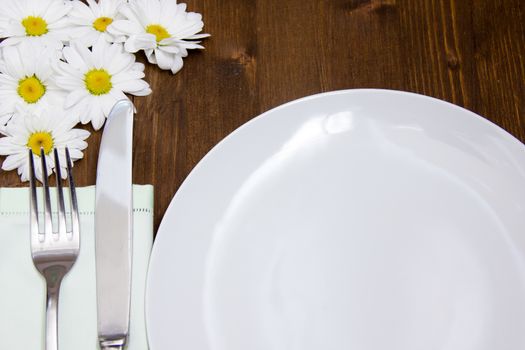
pixel 22 289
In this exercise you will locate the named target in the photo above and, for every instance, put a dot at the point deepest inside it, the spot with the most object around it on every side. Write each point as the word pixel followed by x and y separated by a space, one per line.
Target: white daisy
pixel 26 79
pixel 48 130
pixel 96 79
pixel 35 21
pixel 162 28
pixel 90 22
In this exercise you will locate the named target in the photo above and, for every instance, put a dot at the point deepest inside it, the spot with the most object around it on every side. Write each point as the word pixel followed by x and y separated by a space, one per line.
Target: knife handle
pixel 113 344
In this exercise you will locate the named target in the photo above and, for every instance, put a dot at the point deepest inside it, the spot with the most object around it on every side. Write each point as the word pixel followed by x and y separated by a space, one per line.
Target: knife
pixel 113 227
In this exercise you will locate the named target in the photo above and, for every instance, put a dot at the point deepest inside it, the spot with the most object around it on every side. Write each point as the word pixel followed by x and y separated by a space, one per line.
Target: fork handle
pixel 52 318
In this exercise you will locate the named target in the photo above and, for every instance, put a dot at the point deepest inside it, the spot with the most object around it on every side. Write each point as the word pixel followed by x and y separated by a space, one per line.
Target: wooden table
pixel 263 53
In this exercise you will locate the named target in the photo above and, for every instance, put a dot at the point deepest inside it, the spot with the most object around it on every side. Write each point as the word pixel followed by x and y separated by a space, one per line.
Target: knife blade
pixel 113 227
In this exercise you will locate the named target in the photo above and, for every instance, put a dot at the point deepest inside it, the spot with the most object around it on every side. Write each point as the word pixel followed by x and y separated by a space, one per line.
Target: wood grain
pixel 263 53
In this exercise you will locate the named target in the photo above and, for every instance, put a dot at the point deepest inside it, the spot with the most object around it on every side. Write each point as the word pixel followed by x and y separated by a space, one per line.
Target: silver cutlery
pixel 113 227
pixel 53 253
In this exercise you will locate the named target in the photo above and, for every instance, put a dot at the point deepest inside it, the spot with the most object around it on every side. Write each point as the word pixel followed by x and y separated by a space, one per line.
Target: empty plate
pixel 359 219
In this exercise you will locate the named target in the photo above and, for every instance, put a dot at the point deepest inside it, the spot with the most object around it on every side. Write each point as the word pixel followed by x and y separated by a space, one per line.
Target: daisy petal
pixel 74 97
pixel 164 59
pixel 132 86
pixel 125 27
pixel 140 42
pixel 73 57
pixel 177 64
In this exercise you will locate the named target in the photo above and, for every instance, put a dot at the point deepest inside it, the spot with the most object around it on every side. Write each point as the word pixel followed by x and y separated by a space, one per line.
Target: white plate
pixel 361 219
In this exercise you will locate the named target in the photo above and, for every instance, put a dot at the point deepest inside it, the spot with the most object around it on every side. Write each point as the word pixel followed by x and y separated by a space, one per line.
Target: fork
pixel 53 253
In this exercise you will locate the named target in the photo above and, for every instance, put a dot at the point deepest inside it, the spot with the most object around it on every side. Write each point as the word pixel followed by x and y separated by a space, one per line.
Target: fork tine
pixel 73 198
pixel 48 224
pixel 60 197
pixel 33 201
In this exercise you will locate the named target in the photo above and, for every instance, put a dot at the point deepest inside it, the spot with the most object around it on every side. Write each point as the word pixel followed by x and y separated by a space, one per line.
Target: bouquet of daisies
pixel 64 62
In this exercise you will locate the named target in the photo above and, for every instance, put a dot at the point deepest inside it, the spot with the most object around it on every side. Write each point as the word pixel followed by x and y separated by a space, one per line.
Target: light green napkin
pixel 22 289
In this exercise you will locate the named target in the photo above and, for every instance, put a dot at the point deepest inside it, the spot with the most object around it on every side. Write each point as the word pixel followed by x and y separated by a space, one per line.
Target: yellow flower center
pixel 159 31
pixel 98 81
pixel 31 89
pixel 102 23
pixel 40 139
pixel 35 26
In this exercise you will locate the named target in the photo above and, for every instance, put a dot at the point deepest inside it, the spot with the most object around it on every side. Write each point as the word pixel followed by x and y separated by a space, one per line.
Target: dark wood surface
pixel 263 53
